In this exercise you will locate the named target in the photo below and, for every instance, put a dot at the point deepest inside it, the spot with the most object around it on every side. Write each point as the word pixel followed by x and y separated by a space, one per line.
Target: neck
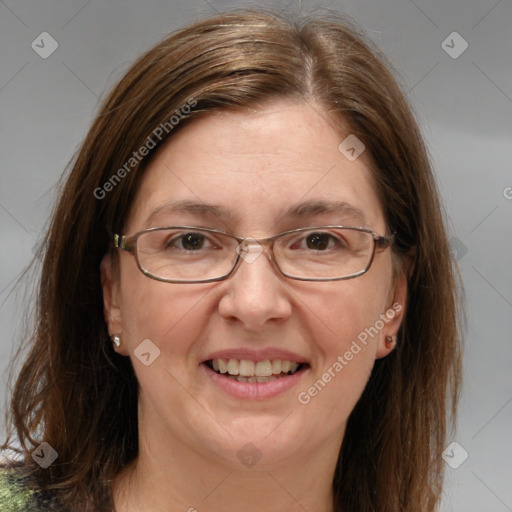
pixel 221 490
pixel 172 476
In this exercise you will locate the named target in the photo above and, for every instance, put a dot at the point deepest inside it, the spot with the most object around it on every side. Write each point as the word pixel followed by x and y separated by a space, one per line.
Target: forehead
pixel 257 170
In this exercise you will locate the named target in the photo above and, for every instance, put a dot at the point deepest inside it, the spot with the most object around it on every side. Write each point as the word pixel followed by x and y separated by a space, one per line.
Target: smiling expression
pixel 252 174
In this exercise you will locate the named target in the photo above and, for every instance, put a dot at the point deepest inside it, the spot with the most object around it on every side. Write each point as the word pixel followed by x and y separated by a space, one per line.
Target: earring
pixel 116 340
pixel 390 341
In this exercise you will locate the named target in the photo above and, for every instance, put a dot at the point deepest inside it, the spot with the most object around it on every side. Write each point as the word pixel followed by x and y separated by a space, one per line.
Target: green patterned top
pixel 14 495
pixel 20 493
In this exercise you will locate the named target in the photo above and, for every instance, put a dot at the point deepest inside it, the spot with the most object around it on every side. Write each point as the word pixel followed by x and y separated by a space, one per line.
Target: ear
pixel 395 309
pixel 110 287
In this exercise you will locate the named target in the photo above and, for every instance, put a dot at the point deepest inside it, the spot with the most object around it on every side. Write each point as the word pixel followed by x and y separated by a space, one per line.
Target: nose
pixel 255 294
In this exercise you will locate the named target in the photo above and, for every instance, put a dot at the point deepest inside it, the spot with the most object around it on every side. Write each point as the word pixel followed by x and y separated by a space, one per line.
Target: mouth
pixel 249 371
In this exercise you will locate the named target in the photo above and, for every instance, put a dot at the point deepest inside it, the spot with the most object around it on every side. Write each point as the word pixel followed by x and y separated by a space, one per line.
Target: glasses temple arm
pixel 126 244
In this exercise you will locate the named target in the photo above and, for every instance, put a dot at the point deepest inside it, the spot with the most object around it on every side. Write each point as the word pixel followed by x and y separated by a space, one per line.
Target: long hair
pixel 77 394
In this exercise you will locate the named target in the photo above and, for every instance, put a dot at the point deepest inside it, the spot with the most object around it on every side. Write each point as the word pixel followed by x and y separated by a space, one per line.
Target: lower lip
pixel 256 390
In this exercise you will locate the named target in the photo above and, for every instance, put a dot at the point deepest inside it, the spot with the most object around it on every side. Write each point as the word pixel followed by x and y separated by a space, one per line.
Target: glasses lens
pixel 326 253
pixel 193 254
pixel 183 254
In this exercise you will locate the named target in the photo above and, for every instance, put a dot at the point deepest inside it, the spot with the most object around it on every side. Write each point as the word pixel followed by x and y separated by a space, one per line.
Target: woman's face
pixel 254 168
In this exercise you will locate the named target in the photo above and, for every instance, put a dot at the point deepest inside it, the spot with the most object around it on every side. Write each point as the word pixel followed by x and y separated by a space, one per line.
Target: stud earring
pixel 116 340
pixel 390 341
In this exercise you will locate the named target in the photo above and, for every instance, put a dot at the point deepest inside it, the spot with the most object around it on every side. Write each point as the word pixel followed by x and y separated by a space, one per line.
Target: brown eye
pixel 187 242
pixel 318 241
pixel 192 241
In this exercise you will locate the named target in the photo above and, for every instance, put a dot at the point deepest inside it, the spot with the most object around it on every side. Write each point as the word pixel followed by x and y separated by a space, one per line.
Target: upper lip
pixel 250 354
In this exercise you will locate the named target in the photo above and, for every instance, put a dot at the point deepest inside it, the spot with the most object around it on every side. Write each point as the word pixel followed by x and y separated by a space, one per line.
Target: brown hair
pixel 81 397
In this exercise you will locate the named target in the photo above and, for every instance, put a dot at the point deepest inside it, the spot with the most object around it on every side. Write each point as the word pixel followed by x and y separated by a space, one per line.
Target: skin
pixel 258 163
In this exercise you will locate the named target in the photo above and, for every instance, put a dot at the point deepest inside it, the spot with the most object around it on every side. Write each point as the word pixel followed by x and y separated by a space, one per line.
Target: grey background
pixel 464 105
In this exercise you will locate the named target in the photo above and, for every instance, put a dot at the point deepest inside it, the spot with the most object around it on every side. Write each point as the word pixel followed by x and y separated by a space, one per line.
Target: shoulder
pixel 15 495
pixel 18 493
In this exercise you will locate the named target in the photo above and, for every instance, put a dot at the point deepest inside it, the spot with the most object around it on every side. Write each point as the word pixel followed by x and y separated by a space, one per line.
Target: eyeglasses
pixel 188 254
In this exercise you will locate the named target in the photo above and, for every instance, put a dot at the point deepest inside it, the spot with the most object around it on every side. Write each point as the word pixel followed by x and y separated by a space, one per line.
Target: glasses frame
pixel 129 244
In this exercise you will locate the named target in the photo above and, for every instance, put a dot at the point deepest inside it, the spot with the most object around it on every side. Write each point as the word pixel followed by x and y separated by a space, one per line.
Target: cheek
pixel 345 323
pixel 170 315
pixel 341 310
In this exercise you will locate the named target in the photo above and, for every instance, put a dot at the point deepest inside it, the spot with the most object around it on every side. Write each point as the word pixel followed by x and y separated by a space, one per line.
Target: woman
pixel 247 297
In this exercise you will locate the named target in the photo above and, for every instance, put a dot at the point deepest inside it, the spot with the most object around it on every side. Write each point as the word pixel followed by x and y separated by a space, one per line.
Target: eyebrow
pixel 196 207
pixel 310 208
pixel 302 210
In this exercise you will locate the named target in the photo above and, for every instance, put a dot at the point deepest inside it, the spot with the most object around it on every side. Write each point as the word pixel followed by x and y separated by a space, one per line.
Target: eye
pixel 188 241
pixel 318 241
pixel 192 241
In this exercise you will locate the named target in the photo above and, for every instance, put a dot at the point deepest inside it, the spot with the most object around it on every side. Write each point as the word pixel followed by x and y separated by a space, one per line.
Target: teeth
pixel 245 370
pixel 254 379
pixel 276 366
pixel 263 369
pixel 265 379
pixel 233 368
pixel 223 366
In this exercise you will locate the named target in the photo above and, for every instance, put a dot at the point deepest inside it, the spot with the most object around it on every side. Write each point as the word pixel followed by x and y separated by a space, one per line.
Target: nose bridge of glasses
pixel 249 249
